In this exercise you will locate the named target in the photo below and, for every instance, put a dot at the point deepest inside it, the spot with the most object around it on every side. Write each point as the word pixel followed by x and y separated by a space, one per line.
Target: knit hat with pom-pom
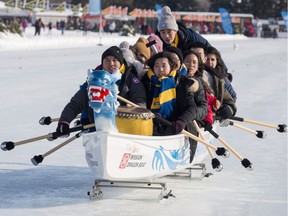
pixel 167 20
pixel 127 53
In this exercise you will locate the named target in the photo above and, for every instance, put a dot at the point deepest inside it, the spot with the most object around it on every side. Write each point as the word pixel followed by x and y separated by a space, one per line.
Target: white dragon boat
pixel 123 157
pixel 114 155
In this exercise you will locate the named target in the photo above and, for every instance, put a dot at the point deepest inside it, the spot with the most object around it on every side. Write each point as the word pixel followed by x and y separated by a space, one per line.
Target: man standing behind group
pixel 176 34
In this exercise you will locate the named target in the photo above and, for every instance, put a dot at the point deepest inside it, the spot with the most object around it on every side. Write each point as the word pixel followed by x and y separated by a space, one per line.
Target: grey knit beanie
pixel 167 20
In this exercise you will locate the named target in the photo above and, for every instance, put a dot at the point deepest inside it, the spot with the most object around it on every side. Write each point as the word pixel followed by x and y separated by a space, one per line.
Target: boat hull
pixel 126 157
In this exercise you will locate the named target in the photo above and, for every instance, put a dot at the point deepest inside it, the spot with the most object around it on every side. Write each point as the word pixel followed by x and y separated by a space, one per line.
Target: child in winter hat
pixel 113 51
pixel 155 43
pixel 167 20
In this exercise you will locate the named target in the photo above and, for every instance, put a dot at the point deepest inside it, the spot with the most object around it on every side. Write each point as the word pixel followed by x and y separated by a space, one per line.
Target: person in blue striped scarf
pixel 172 96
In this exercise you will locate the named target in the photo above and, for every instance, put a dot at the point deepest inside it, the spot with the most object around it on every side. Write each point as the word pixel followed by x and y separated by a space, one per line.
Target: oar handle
pixel 237 118
pixel 47 120
pixel 254 122
pixel 55 135
pixel 202 137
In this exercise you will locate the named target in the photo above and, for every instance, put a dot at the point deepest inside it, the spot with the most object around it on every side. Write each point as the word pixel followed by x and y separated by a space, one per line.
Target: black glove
pixel 224 112
pixel 178 126
pixel 63 129
pixel 207 126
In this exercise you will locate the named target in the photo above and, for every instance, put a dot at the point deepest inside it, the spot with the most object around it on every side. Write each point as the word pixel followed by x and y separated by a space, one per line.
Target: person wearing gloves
pixel 171 96
pixel 195 68
pixel 217 84
pixel 130 87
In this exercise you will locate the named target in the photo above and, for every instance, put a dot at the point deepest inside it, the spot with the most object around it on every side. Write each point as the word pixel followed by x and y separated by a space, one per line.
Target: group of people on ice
pixel 175 73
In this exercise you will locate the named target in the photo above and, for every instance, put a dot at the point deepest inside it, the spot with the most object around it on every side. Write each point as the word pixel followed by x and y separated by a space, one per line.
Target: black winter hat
pixel 175 50
pixel 113 51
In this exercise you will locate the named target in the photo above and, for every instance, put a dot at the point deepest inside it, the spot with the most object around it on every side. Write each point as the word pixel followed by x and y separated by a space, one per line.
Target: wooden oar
pixel 215 162
pixel 244 161
pixel 9 145
pixel 39 158
pixel 281 127
pixel 259 134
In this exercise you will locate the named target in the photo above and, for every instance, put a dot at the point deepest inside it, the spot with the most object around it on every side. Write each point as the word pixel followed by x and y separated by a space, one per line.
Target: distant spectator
pixel 259 28
pixel 62 26
pixel 50 28
pixel 112 27
pixel 84 27
pixel 38 25
pixel 144 28
pixel 275 33
pixel 149 30
pixel 251 30
pixel 24 24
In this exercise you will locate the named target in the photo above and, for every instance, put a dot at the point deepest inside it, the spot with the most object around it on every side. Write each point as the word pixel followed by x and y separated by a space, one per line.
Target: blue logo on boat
pixel 172 158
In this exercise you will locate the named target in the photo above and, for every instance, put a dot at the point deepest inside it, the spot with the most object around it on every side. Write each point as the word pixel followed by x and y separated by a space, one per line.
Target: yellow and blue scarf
pixel 164 95
pixel 183 70
pixel 175 42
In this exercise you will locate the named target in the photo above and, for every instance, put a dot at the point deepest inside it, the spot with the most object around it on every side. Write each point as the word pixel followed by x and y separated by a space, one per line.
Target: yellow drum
pixel 134 120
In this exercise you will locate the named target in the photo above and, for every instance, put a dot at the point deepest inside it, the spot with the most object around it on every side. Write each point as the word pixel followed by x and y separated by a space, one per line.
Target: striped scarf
pixel 164 95
pixel 183 70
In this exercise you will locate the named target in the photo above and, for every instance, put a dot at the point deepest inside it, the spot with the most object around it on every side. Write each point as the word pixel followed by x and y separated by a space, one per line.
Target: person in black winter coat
pixel 215 65
pixel 181 105
pixel 174 33
pixel 217 84
pixel 130 87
